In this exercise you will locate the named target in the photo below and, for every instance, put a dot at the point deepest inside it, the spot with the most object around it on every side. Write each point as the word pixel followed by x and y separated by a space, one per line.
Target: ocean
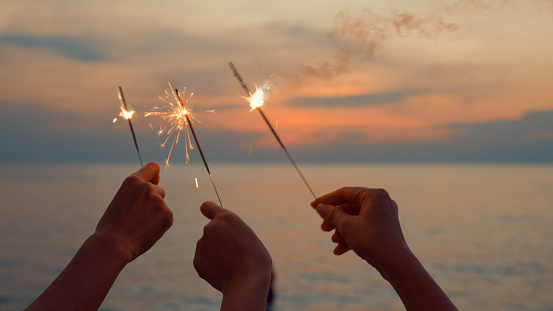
pixel 483 231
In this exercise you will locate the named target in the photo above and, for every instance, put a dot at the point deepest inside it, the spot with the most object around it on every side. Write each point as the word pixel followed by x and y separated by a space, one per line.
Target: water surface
pixel 483 232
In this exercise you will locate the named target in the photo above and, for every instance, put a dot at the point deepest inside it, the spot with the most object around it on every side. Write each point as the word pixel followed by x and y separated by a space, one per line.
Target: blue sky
pixel 399 81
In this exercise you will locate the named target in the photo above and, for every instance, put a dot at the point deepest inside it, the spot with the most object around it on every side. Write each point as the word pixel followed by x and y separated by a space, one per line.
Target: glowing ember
pixel 127 114
pixel 258 97
pixel 256 100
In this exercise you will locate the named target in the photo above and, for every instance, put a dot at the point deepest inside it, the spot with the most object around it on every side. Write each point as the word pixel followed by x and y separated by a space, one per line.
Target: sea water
pixel 483 231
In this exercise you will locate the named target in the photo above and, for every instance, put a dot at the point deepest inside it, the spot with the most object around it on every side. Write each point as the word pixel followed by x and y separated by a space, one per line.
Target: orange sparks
pixel 173 114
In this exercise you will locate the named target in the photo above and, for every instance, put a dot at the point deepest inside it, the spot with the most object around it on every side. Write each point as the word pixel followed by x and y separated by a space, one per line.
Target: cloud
pixel 529 139
pixel 531 128
pixel 76 48
pixel 351 101
pixel 65 60
pixel 41 135
pixel 360 35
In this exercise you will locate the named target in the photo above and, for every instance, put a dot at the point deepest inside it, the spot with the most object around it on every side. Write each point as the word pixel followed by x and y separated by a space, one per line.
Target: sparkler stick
pixel 198 144
pixel 127 115
pixel 258 97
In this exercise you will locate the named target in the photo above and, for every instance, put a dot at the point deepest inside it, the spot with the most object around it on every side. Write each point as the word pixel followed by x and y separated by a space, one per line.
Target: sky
pixel 350 81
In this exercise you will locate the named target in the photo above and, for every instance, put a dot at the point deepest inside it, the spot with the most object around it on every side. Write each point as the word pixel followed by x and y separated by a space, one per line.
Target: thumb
pixel 331 214
pixel 210 209
pixel 149 172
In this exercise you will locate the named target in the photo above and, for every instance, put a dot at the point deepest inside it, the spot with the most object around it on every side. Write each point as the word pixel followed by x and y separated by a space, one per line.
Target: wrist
pixel 414 285
pixel 108 246
pixel 247 293
pixel 258 283
pixel 401 268
pixel 396 263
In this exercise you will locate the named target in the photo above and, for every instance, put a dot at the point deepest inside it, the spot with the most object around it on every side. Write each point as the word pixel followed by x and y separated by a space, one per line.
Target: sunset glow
pixel 394 72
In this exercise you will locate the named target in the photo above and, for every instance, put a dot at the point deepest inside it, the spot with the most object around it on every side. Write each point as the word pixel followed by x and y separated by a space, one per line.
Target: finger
pixel 149 172
pixel 346 195
pixel 159 190
pixel 331 214
pixel 325 226
pixel 155 180
pixel 341 248
pixel 337 237
pixel 395 209
pixel 210 209
pixel 350 209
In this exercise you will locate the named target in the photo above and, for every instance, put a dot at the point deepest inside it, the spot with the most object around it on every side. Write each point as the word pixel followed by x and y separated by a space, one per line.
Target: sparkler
pixel 197 144
pixel 174 113
pixel 125 113
pixel 256 101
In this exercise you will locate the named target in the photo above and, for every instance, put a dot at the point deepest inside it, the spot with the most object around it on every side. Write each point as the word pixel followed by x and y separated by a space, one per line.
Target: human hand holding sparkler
pixel 366 221
pixel 232 259
pixel 135 220
pixel 138 216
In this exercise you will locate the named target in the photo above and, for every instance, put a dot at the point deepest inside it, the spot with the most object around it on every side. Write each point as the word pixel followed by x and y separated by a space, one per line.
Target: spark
pixel 127 114
pixel 174 112
pixel 196 179
pixel 256 100
pixel 177 114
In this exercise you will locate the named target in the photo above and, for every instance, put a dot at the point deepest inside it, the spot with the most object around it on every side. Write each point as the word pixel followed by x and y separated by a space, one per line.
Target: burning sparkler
pixel 175 113
pixel 256 101
pixel 125 113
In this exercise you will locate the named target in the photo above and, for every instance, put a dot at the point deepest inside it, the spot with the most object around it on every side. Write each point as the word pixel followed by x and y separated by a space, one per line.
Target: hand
pixel 232 259
pixel 366 220
pixel 137 217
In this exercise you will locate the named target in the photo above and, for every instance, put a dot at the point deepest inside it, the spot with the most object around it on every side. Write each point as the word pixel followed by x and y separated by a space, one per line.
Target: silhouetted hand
pixel 232 259
pixel 137 217
pixel 366 221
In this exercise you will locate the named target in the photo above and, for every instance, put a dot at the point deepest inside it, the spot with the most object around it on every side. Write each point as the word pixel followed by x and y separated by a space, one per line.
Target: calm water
pixel 483 231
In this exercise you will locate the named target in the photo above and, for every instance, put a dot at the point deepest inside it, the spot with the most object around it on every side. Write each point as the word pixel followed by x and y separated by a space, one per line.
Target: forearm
pixel 86 280
pixel 251 295
pixel 416 288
